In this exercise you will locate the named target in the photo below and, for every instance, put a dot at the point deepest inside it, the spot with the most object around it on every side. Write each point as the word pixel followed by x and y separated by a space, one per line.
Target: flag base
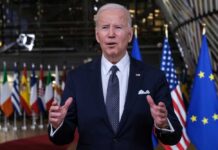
pixel 41 126
pixel 15 128
pixel 24 128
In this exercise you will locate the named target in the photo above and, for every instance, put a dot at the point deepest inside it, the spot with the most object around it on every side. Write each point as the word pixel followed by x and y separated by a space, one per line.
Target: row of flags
pixel 33 97
pixel 200 122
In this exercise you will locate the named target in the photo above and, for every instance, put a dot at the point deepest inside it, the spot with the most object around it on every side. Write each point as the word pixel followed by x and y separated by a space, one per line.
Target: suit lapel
pixel 135 78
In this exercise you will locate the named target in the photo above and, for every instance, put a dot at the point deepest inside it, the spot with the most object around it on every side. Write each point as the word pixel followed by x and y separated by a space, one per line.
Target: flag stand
pixel 33 126
pixel 41 126
pixel 15 122
pixel 24 127
pixel 5 128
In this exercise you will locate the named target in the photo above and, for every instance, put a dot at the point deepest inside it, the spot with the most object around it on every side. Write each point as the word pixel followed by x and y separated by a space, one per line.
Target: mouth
pixel 111 44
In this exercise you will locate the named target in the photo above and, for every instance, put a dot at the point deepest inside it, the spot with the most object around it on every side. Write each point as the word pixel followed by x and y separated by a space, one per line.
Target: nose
pixel 111 32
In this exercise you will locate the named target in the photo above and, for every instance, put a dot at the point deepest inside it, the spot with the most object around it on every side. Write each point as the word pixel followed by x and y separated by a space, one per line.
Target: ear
pixel 130 34
pixel 96 35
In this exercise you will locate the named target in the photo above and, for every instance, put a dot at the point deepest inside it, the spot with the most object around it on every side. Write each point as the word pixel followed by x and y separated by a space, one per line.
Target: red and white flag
pixel 33 91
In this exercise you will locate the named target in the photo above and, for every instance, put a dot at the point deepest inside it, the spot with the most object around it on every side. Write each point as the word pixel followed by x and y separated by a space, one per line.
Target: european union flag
pixel 135 49
pixel 202 121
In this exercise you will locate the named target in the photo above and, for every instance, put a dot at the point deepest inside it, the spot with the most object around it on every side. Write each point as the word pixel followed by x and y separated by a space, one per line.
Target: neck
pixel 114 59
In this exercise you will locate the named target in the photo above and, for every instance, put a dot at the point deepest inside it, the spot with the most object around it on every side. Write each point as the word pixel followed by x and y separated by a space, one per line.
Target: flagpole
pixel 24 86
pixel 33 97
pixel 15 121
pixel 33 126
pixel 7 107
pixel 41 97
pixel 204 29
pixel 5 128
pixel 166 30
pixel 136 30
pixel 24 127
pixel 41 126
pixel 15 97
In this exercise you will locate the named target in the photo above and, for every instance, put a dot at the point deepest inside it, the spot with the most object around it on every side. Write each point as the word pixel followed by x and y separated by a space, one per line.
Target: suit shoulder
pixel 147 68
pixel 85 68
pixel 152 69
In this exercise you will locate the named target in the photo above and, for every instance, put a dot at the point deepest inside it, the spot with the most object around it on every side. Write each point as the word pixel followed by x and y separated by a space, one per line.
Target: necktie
pixel 112 98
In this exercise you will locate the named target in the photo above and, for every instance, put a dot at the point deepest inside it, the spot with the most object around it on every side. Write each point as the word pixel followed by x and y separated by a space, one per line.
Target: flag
pixel 63 78
pixel 167 66
pixel 24 92
pixel 135 49
pixel 57 87
pixel 6 104
pixel 202 119
pixel 41 92
pixel 137 55
pixel 48 90
pixel 33 91
pixel 15 97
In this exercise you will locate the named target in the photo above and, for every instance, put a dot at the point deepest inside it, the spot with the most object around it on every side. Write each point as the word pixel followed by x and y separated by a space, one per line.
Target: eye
pixel 104 27
pixel 118 27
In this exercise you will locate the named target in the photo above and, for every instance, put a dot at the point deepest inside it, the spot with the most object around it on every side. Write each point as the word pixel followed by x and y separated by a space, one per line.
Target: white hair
pixel 113 6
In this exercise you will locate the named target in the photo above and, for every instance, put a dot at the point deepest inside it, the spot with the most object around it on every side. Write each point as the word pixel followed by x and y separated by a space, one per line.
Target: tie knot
pixel 114 69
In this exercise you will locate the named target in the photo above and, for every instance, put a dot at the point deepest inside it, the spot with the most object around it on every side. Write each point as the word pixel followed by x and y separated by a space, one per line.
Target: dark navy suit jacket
pixel 88 112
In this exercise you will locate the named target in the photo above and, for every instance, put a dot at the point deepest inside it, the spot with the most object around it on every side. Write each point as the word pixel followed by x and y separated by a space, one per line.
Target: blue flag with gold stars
pixel 202 118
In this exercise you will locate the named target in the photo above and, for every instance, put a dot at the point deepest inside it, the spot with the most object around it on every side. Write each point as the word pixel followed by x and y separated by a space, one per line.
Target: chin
pixel 113 54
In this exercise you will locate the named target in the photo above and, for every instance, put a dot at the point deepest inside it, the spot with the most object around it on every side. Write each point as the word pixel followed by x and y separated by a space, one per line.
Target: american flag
pixel 167 66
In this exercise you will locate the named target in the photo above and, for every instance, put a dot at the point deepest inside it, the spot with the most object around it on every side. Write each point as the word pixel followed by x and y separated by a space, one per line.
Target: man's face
pixel 113 34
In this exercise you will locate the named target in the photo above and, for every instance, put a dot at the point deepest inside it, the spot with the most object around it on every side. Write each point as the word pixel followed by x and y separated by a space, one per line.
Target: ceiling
pixel 67 28
pixel 69 25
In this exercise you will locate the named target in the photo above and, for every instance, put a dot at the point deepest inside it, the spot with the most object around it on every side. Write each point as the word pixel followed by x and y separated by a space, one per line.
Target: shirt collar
pixel 106 65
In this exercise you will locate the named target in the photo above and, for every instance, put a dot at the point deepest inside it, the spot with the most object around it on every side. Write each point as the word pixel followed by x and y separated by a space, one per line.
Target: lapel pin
pixel 137 74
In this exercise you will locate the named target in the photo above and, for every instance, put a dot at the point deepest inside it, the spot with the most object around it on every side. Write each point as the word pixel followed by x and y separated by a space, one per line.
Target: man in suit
pixel 114 109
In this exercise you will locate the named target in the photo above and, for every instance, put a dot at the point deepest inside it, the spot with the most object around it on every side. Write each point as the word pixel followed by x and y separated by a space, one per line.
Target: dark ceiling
pixel 66 27
pixel 68 24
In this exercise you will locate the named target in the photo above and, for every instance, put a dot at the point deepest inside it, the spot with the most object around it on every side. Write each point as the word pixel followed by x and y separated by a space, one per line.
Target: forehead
pixel 113 15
